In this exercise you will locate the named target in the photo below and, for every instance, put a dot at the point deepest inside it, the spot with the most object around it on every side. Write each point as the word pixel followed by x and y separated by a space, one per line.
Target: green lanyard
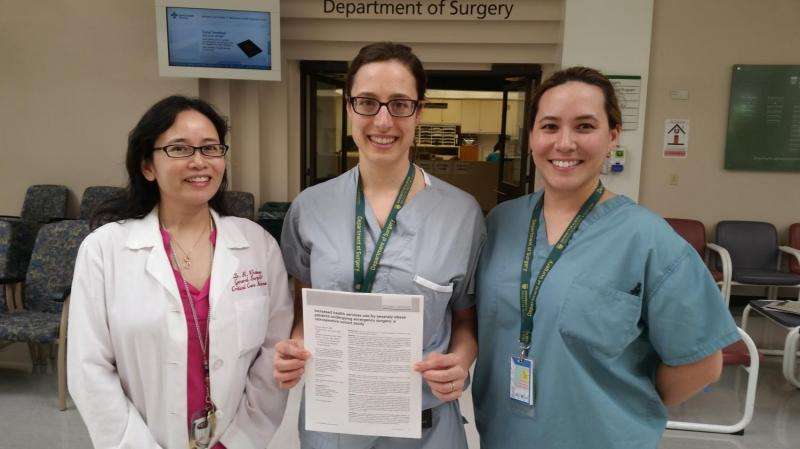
pixel 527 296
pixel 363 282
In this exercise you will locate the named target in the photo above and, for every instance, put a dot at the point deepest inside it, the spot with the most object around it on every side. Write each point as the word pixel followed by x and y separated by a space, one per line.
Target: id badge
pixel 521 386
pixel 201 430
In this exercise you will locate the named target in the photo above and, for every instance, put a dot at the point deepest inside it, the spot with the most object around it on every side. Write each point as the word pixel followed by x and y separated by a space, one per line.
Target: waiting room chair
pixel 94 196
pixel 756 256
pixel 240 204
pixel 742 353
pixel 42 204
pixel 694 232
pixel 42 320
pixel 789 322
pixel 760 257
pixel 745 354
pixel 271 216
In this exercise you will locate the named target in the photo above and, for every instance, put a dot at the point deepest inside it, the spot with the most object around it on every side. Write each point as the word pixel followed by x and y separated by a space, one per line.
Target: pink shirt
pixel 195 385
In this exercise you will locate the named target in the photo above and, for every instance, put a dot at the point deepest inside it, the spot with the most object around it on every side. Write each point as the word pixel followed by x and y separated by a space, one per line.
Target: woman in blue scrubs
pixel 430 249
pixel 592 313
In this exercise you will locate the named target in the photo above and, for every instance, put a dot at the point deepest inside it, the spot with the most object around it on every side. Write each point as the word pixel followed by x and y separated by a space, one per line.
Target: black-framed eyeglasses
pixel 183 150
pixel 399 107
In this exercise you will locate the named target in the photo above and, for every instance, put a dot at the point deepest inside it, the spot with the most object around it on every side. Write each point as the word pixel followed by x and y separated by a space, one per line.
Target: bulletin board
pixel 764 118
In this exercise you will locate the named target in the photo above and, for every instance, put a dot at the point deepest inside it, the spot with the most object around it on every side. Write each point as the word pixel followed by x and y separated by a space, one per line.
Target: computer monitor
pixel 233 39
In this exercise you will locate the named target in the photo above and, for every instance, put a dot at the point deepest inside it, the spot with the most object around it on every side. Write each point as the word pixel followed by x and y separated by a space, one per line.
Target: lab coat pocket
pixel 599 318
pixel 251 318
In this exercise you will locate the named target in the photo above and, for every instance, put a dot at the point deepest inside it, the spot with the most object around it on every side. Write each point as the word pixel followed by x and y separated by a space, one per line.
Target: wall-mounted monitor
pixel 236 39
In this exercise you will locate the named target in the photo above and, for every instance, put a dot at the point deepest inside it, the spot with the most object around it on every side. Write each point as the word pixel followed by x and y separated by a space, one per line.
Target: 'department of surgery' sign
pixel 430 8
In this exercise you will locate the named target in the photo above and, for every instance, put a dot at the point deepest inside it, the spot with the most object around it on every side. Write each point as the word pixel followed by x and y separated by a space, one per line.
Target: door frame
pixel 495 79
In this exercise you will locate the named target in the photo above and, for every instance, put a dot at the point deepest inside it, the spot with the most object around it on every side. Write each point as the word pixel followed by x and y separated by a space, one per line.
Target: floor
pixel 29 418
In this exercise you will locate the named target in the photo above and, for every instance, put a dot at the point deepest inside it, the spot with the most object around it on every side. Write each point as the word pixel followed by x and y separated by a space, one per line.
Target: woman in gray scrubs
pixel 430 250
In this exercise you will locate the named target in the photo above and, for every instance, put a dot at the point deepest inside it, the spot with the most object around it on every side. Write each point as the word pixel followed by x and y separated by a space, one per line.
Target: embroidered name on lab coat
pixel 246 279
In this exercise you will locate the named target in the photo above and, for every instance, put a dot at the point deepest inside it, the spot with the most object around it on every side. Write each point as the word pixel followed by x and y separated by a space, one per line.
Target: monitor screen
pixel 218 38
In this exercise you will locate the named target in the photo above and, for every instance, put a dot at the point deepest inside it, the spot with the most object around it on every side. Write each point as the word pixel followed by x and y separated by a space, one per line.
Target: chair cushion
pixel 717 275
pixel 16 244
pixel 737 354
pixel 692 231
pixel 784 319
pixel 94 196
pixel 26 325
pixel 766 277
pixel 753 245
pixel 45 202
pixel 240 204
pixel 53 259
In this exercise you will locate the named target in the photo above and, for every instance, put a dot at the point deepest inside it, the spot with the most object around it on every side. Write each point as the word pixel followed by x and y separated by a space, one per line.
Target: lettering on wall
pixel 436 8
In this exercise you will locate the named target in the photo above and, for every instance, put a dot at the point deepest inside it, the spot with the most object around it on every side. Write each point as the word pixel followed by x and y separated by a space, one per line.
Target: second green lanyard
pixel 528 293
pixel 362 282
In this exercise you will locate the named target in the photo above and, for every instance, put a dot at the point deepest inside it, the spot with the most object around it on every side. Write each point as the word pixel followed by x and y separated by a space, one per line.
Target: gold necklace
pixel 186 262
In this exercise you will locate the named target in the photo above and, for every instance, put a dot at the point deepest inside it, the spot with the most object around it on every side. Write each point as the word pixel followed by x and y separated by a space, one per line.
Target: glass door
pixel 516 176
pixel 323 121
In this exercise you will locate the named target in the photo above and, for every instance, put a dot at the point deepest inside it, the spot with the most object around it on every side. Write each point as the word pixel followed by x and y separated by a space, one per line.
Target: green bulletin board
pixel 764 118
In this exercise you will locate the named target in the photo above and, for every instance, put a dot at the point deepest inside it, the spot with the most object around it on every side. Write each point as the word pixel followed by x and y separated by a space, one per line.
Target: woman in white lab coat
pixel 176 307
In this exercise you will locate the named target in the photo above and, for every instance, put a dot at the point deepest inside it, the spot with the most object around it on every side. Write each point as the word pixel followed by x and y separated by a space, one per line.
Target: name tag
pixel 521 386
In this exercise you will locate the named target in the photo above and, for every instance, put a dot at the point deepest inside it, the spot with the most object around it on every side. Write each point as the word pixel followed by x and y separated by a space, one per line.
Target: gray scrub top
pixel 432 252
pixel 627 294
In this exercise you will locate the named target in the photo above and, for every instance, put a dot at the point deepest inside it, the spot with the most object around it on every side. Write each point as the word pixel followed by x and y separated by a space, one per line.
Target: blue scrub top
pixel 597 338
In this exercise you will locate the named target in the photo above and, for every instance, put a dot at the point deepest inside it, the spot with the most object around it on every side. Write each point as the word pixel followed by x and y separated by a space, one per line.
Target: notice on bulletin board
pixel 764 118
pixel 629 93
pixel 676 137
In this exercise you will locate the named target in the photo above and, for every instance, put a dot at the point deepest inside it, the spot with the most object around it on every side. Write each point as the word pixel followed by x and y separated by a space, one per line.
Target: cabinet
pixel 430 115
pixel 450 115
pixel 481 116
pixel 453 112
pixel 490 116
pixel 470 112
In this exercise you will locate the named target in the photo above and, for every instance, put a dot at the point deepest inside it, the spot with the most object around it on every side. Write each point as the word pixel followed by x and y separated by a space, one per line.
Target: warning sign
pixel 676 137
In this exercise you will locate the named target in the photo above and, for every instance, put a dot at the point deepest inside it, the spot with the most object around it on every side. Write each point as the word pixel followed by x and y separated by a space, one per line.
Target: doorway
pixel 473 132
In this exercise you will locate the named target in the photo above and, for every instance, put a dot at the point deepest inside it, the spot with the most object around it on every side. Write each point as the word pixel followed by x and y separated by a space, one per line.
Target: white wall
pixel 76 76
pixel 613 36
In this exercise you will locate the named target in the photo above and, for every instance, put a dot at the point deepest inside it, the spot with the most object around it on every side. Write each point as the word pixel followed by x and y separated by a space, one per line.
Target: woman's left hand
pixel 445 375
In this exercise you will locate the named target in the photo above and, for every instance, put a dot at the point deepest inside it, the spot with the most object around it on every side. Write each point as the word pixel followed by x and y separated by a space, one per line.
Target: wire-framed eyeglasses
pixel 181 150
pixel 399 107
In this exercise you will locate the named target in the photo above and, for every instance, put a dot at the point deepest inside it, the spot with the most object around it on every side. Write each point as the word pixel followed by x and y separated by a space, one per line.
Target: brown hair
pixel 388 51
pixel 584 75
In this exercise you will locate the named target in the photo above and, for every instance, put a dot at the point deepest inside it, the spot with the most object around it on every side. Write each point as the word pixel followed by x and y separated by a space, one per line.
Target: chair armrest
pixel 725 257
pixel 10 218
pixel 791 251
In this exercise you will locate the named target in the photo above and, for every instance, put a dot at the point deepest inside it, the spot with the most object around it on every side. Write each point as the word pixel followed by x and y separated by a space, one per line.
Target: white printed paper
pixel 359 378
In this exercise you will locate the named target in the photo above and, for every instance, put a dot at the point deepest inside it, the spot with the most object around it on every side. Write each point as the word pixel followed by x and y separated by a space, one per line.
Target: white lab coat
pixel 127 336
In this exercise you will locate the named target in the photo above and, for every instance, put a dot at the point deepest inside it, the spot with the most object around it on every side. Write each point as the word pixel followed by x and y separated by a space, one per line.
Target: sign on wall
pixel 479 10
pixel 676 137
pixel 629 92
pixel 764 118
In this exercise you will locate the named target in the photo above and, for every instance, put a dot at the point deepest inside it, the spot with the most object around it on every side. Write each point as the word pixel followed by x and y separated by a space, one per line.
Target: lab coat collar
pixel 145 233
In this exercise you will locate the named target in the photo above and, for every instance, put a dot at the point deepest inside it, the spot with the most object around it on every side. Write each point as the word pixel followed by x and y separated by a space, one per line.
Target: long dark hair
pixel 141 195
